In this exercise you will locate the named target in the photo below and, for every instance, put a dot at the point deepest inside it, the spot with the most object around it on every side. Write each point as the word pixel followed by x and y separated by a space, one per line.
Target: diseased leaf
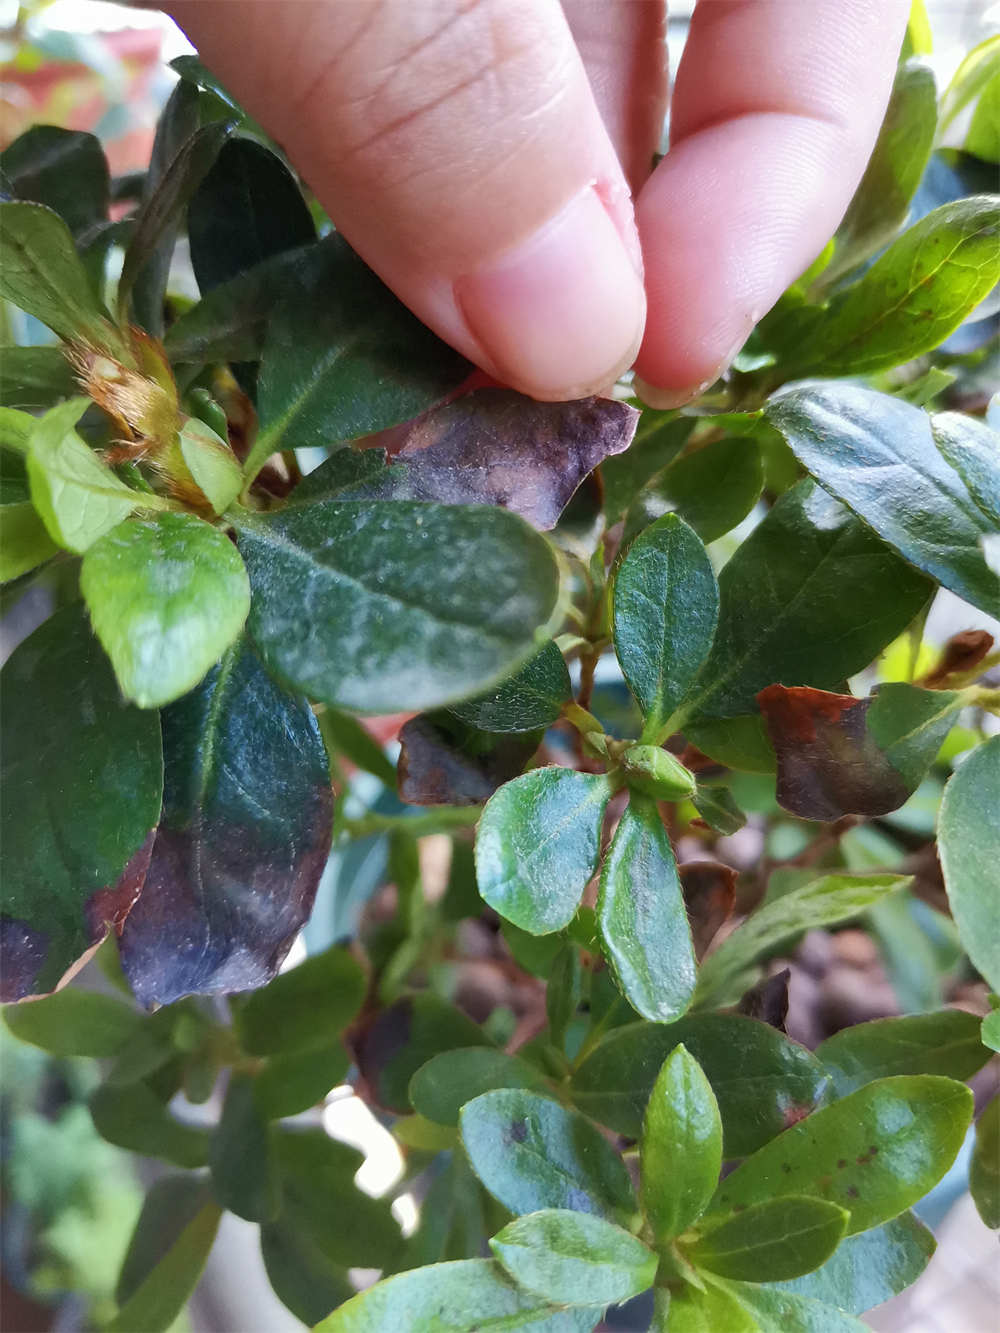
pixel 532 1153
pixel 132 1116
pixel 681 1146
pixel 969 848
pixel 302 1277
pixel 537 846
pixel 709 890
pixel 74 1022
pixel 973 449
pixel 984 1168
pixel 644 928
pixel 34 378
pixel 83 779
pixel 762 1081
pixel 442 761
pixel 368 604
pixel 943 1043
pixel 167 597
pixel 665 610
pixel 712 489
pixel 574 1258
pixel 771 1240
pixel 869 1268
pixel 244 1174
pixel 840 755
pixel 875 1152
pixel 245 832
pixel 878 455
pixel 531 698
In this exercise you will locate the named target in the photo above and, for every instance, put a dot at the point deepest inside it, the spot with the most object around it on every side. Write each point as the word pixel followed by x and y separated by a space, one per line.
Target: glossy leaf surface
pixel 946 1042
pixel 771 1240
pixel 973 449
pixel 870 1267
pixel 441 1087
pixel 681 1146
pixel 712 489
pixel 969 848
pixel 531 698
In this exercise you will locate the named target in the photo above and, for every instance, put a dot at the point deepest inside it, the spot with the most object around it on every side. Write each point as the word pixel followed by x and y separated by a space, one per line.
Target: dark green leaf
pixel 644 927
pixel 771 1240
pixel 247 208
pixel 562 993
pixel 455 1297
pixel 166 1254
pixel 973 450
pixel 712 489
pixel 291 1084
pixel 440 1088
pixel 34 377
pixel 840 755
pixel 718 808
pixel 302 1276
pixel 763 1082
pixel 665 609
pixel 344 358
pixel 878 455
pixel 365 604
pixel 306 1006
pixel 537 846
pixel 244 1174
pixel 681 1146
pixel 244 836
pixel 83 779
pixel 574 1258
pixel 532 1153
pixel 984 1169
pixel 74 1022
pixel 824 902
pixel 774 1309
pixel 869 1268
pixel 64 169
pixel 943 1043
pixel 443 761
pixel 532 698
pixel 875 1152
pixel 658 440
pixel 167 597
pixel 345 736
pixel 132 1116
pixel 969 848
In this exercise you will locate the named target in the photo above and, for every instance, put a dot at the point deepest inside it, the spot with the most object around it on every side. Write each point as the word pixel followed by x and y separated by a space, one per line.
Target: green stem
pixel 441 820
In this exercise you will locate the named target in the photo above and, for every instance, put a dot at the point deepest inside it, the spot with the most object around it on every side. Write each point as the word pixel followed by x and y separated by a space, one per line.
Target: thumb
pixel 457 145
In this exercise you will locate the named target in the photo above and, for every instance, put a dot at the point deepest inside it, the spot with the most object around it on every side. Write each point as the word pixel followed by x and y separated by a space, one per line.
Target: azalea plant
pixel 258 518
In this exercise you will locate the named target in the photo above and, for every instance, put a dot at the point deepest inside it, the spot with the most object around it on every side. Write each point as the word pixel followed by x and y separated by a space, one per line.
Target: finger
pixel 457 145
pixel 776 108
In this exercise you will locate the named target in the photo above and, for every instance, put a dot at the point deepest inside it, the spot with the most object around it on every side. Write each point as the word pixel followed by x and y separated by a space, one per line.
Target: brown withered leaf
pixel 768 1000
pixel 445 762
pixel 709 889
pixel 962 653
pixel 838 755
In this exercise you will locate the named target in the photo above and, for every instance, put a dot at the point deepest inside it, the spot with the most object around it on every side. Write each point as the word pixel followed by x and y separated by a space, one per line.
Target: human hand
pixel 483 156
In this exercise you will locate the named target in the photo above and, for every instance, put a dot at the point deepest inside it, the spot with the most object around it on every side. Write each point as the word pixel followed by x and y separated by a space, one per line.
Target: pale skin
pixel 492 161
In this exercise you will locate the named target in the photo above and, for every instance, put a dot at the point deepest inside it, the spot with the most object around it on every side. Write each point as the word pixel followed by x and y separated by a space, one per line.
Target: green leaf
pixel 869 1268
pixel 990 1030
pixel 363 604
pixel 441 1087
pixel 681 1147
pixel 244 836
pixel 34 377
pixel 711 1310
pixel 64 169
pixel 304 1007
pixel 78 497
pixel 24 541
pixel 244 1175
pixel 344 358
pixel 455 1297
pixel 718 808
pixel 969 848
pixel 42 275
pixel 132 1116
pixel 574 1258
pixel 291 1084
pixel 563 992
pixel 345 736
pixel 531 698
pixel 74 1022
pixel 824 902
pixel 770 1240
pixel 790 1313
pixel 973 449
pixel 984 1169
pixel 640 910
pixel 166 1254
pixel 977 69
pixel 762 1081
pixel 811 597
pixel 302 1276
pixel 878 455
pixel 665 610
pixel 537 846
pixel 712 489
pixel 247 208
pixel 875 1152
pixel 83 779
pixel 983 137
pixel 658 440
pixel 943 1043
pixel 211 463
pixel 167 597
pixel 532 1153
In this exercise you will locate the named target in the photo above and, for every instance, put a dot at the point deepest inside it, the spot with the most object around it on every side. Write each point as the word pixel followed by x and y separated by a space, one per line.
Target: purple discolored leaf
pixel 445 762
pixel 709 889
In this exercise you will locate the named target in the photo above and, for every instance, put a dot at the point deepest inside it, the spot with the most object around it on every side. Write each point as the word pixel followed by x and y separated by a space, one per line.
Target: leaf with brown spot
pixel 709 889
pixel 445 762
pixel 839 755
pixel 961 654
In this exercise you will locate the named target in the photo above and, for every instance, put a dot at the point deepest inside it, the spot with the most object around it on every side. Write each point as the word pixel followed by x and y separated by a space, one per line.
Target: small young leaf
pixel 875 1152
pixel 537 846
pixel 984 1169
pixel 302 1276
pixel 976 70
pixel 771 1240
pixel 665 609
pixel 681 1147
pixel 443 761
pixel 709 1310
pixel 656 773
pixel 878 455
pixel 132 1116
pixel 712 489
pixel 167 597
pixel 211 463
pixel 943 1043
pixel 824 902
pixel 969 848
pixel 74 1022
pixel 531 698
pixel 574 1258
pixel 717 807
pixel 304 1007
pixel 973 449
pixel 244 1175
pixel 65 170
pixel 441 1087
pixel 532 1153
pixel 406 601
pixel 644 927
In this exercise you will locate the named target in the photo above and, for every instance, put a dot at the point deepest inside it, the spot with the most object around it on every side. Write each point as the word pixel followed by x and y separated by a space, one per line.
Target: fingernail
pixel 562 314
pixel 667 400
